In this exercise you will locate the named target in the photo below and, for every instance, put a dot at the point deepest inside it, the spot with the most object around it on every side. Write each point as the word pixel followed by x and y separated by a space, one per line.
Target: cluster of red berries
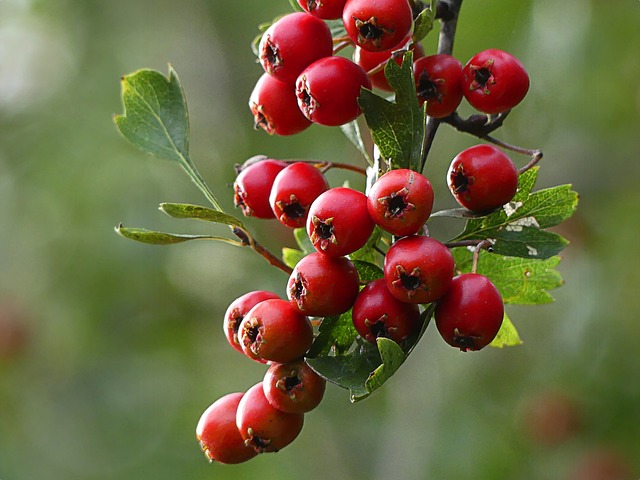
pixel 306 82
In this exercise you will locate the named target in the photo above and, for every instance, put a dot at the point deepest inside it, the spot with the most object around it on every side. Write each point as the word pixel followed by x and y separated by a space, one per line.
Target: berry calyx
pixel 252 188
pixel 293 387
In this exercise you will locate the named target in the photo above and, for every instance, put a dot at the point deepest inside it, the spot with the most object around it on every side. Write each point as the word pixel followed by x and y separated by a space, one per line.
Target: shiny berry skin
pixel 482 178
pixel 274 331
pixel 328 91
pixel 494 81
pixel 325 9
pixel 369 60
pixel 294 190
pixel 252 188
pixel 238 310
pixel 275 108
pixel 321 286
pixel 438 80
pixel 293 387
pixel 400 201
pixel 264 427
pixel 377 25
pixel 292 43
pixel 470 314
pixel 339 222
pixel 418 269
pixel 218 433
pixel 377 313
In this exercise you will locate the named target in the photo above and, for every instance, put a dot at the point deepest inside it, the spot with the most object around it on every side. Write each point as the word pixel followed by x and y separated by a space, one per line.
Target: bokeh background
pixel 110 350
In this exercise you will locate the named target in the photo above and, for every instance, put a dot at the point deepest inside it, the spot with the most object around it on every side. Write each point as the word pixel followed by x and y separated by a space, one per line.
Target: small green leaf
pixel 368 272
pixel 185 210
pixel 392 357
pixel 161 238
pixel 507 335
pixel 335 333
pixel 520 281
pixel 296 6
pixel 291 256
pixel 397 127
pixel 368 252
pixel 351 130
pixel 423 24
pixel 303 241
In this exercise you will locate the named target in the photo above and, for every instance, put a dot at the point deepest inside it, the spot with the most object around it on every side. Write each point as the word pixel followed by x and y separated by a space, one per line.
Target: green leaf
pixel 368 252
pixel 291 256
pixel 185 210
pixel 368 272
pixel 507 335
pixel 423 24
pixel 520 281
pixel 397 127
pixel 303 241
pixel 392 357
pixel 161 238
pixel 335 334
pixel 296 6
pixel 351 130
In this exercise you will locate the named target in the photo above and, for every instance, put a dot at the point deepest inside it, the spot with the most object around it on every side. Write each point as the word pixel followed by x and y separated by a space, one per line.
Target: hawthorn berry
pixel 418 269
pixel 292 43
pixel 253 186
pixel 438 80
pixel 262 426
pixel 321 286
pixel 294 190
pixel 274 331
pixel 470 313
pixel 494 81
pixel 238 310
pixel 325 9
pixel 482 178
pixel 293 387
pixel 400 201
pixel 379 25
pixel 218 433
pixel 339 222
pixel 328 91
pixel 377 313
pixel 275 108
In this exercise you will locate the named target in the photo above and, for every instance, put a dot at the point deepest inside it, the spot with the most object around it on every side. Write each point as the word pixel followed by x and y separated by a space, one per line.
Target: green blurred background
pixel 110 350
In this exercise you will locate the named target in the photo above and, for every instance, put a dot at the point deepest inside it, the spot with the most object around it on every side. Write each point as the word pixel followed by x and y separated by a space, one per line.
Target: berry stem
pixel 249 241
pixel 536 154
pixel 476 254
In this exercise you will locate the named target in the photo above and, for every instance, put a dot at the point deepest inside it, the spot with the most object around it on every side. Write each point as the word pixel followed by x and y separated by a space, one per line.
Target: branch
pixel 248 241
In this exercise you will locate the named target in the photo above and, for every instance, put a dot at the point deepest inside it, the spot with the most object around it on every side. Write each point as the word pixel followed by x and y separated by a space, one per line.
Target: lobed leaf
pixel 351 130
pixel 336 334
pixel 423 24
pixel 368 272
pixel 507 335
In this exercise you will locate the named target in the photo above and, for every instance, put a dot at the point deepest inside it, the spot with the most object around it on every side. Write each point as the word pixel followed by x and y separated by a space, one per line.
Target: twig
pixel 249 241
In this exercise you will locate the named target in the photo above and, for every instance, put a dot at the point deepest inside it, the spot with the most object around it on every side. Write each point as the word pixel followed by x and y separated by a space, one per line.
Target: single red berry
pixel 293 387
pixel 274 331
pixel 253 186
pixel 438 82
pixel 292 43
pixel 321 286
pixel 369 60
pixel 377 313
pixel 482 178
pixel 238 310
pixel 494 81
pixel 377 25
pixel 325 9
pixel 328 91
pixel 275 108
pixel 264 427
pixel 294 190
pixel 418 269
pixel 338 222
pixel 401 201
pixel 470 314
pixel 218 433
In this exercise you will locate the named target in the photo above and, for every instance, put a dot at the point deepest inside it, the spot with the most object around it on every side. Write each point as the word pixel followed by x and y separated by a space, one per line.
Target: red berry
pixel 275 108
pixel 369 60
pixel 264 427
pixel 377 313
pixel 470 314
pixel 438 82
pixel 218 433
pixel 339 223
pixel 253 186
pixel 418 269
pixel 401 201
pixel 377 25
pixel 293 387
pixel 328 91
pixel 494 81
pixel 325 9
pixel 274 331
pixel 482 178
pixel 237 311
pixel 321 286
pixel 294 190
pixel 292 43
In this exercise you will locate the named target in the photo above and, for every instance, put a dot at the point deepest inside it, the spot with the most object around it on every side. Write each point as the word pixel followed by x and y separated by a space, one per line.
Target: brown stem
pixel 341 46
pixel 476 254
pixel 249 241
